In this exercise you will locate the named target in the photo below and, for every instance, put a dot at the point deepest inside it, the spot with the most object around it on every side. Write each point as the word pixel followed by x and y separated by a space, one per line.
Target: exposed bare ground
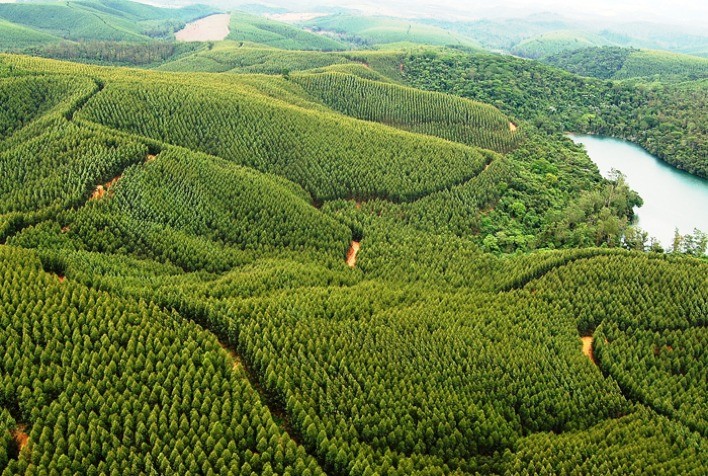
pixel 512 127
pixel 234 356
pixel 587 348
pixel 150 158
pixel 357 204
pixel 21 437
pixel 351 254
pixel 61 278
pixel 211 28
pixel 102 189
pixel 64 229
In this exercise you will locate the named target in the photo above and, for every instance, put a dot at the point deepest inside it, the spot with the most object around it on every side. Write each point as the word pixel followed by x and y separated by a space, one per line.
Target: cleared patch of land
pixel 512 127
pixel 211 28
pixel 587 348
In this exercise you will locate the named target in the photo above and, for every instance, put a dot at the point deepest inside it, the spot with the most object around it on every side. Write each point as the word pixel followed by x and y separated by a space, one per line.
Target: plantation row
pixel 119 394
pixel 256 29
pixel 648 341
pixel 235 57
pixel 432 356
pixel 330 156
pixel 435 114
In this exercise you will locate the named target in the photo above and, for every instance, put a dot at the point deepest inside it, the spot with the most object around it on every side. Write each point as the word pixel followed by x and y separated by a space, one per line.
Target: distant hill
pixel 626 63
pixel 385 30
pixel 555 42
pixel 553 33
pixel 257 29
pixel 86 20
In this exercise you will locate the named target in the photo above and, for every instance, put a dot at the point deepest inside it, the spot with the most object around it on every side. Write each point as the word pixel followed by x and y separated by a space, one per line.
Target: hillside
pixel 627 63
pixel 256 29
pixel 384 30
pixel 558 101
pixel 101 20
pixel 555 42
pixel 279 254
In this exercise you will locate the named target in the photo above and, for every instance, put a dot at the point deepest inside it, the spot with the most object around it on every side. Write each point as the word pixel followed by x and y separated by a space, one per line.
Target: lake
pixel 672 198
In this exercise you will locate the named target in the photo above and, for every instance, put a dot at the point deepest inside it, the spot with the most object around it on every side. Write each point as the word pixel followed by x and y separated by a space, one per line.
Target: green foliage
pixel 223 119
pixel 385 30
pixel 410 109
pixel 228 56
pixel 256 29
pixel 102 20
pixel 195 313
pixel 602 63
pixel 639 443
pixel 15 37
pixel 555 42
pixel 626 63
pixel 108 384
pixel 114 53
pixel 554 100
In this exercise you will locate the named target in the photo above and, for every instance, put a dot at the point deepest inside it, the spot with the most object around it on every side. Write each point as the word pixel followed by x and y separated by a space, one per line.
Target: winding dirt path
pixel 21 437
pixel 351 254
pixel 102 189
pixel 587 348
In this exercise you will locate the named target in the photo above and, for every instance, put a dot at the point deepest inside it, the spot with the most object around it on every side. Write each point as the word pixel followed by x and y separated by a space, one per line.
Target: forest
pixel 274 255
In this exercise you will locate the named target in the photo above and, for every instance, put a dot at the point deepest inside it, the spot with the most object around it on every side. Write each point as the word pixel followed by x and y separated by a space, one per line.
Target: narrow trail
pixel 280 415
pixel 587 348
pixel 351 254
pixel 21 437
pixel 102 189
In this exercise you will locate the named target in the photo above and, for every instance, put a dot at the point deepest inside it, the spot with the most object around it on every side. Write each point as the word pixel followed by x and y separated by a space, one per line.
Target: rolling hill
pixel 261 260
pixel 106 20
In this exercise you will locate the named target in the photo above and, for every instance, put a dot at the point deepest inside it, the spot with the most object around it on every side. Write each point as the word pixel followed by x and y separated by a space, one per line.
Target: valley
pixel 272 251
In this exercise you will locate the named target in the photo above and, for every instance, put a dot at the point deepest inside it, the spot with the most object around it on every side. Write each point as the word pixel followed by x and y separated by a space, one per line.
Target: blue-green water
pixel 672 198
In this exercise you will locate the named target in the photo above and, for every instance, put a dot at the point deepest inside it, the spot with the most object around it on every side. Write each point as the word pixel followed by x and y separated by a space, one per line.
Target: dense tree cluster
pixel 329 155
pixel 114 53
pixel 436 114
pixel 195 314
pixel 611 62
pixel 110 385
pixel 667 120
pixel 256 29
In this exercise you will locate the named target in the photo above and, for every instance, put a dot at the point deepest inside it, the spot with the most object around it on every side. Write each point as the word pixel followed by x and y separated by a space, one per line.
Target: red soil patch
pixel 512 127
pixel 21 438
pixel 102 189
pixel 61 278
pixel 351 254
pixel 587 348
